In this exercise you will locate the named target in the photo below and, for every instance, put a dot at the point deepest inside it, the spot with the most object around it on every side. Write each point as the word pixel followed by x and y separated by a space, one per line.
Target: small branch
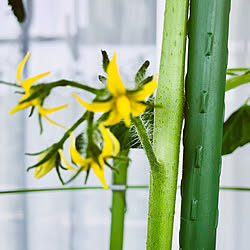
pixel 10 84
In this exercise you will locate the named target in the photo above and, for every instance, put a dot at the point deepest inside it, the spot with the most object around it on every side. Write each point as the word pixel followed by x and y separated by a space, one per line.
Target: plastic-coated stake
pixel 205 89
pixel 118 209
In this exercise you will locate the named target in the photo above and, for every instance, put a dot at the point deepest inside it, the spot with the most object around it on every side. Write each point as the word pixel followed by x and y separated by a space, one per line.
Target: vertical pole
pixel 118 209
pixel 205 89
pixel 167 127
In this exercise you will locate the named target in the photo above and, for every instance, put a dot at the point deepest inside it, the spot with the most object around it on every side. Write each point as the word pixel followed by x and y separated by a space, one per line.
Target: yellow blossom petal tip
pixel 114 83
pixel 20 68
pixel 95 106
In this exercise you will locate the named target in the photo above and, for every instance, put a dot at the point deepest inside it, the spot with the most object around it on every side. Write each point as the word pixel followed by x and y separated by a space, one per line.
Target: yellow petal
pixel 65 161
pixel 137 108
pixel 114 118
pixel 28 82
pixel 111 144
pixel 75 155
pixel 127 120
pixel 44 111
pixel 123 106
pixel 44 168
pixel 147 90
pixel 20 68
pixel 21 106
pixel 99 171
pixel 114 85
pixel 96 106
pixel 52 122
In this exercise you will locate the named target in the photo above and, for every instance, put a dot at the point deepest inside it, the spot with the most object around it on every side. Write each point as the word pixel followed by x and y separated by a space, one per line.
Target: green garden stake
pixel 205 90
pixel 118 209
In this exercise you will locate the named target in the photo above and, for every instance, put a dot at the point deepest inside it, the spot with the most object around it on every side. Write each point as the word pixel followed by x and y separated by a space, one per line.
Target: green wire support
pixel 205 90
pixel 167 127
pixel 55 189
pixel 118 209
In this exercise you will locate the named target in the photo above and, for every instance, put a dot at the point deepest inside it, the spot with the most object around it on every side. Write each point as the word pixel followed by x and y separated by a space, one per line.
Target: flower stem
pixel 145 141
pixel 63 83
pixel 167 127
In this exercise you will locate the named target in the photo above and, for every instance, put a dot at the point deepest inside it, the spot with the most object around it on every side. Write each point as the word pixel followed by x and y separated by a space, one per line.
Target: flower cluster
pixel 33 95
pixel 123 103
pixel 115 101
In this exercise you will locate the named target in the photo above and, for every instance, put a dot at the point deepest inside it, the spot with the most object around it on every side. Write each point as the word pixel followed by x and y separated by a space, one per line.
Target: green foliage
pixel 236 79
pixel 121 132
pixel 17 9
pixel 236 130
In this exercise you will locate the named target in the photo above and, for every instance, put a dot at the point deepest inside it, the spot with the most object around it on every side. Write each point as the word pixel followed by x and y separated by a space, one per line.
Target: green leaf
pixel 81 143
pixel 140 75
pixel 238 80
pixel 236 130
pixel 17 9
pixel 121 132
pixel 105 60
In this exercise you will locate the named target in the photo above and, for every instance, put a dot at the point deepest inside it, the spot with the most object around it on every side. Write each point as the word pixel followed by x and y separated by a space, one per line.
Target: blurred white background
pixel 66 37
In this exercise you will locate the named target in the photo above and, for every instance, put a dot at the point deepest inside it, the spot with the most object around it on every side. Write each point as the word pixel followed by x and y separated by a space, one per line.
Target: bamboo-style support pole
pixel 205 89
pixel 167 127
pixel 118 209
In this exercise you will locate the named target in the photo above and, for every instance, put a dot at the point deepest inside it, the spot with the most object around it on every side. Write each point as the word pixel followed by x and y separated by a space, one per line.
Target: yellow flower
pixel 123 102
pixel 97 160
pixel 45 167
pixel 27 86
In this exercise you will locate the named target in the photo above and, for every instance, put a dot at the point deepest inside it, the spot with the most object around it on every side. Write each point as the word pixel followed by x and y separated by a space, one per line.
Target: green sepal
pixel 87 176
pixel 40 123
pixel 40 91
pixel 17 9
pixel 57 166
pixel 105 60
pixel 74 176
pixel 31 111
pixel 140 75
pixel 114 169
pixel 236 130
pixel 52 150
pixel 102 95
pixel 19 92
pixel 102 79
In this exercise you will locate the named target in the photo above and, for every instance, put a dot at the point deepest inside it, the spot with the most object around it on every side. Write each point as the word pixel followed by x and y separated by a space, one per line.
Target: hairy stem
pixel 168 124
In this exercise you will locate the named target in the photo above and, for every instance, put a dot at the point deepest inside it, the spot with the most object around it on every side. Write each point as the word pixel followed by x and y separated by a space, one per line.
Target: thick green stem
pixel 168 124
pixel 118 202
